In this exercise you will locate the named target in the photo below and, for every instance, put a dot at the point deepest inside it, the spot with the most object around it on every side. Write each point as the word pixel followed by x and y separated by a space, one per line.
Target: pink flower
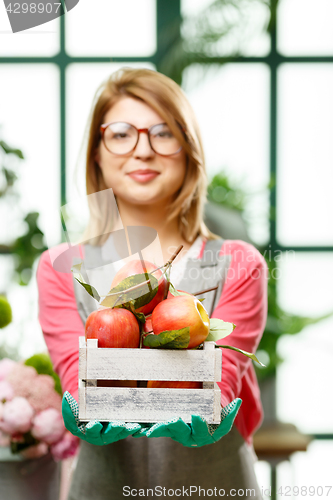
pixel 37 389
pixel 67 447
pixel 43 395
pixel 6 391
pixel 36 451
pixel 48 426
pixel 22 379
pixel 17 416
pixel 6 366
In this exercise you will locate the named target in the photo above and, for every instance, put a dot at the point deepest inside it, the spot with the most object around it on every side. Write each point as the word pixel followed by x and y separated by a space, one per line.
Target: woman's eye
pixel 120 135
pixel 164 135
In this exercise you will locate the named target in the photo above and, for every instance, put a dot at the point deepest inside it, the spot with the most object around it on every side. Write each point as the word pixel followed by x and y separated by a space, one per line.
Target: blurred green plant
pixel 43 366
pixel 222 191
pixel 6 351
pixel 279 322
pixel 27 247
pixel 5 312
pixel 220 33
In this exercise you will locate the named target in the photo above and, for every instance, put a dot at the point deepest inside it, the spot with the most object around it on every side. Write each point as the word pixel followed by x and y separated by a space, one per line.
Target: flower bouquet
pixel 31 423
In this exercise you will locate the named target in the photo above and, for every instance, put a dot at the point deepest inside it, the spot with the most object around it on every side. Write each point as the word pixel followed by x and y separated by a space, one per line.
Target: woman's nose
pixel 143 148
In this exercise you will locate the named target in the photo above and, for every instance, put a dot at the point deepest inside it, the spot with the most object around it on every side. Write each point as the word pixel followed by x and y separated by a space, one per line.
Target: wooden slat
pixel 82 342
pixel 147 405
pixel 217 404
pixel 218 365
pixel 142 404
pixel 92 343
pixel 82 397
pixel 148 364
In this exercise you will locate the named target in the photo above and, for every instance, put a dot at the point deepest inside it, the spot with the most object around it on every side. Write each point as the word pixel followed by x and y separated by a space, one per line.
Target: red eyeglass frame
pixel 104 126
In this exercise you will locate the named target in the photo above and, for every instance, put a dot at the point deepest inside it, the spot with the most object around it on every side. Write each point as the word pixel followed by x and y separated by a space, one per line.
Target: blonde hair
pixel 165 97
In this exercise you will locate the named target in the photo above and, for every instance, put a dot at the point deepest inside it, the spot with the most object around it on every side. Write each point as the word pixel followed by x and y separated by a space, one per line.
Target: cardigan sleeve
pixel 243 302
pixel 60 321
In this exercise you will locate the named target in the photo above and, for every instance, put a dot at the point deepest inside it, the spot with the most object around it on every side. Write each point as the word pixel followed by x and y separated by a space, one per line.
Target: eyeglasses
pixel 121 138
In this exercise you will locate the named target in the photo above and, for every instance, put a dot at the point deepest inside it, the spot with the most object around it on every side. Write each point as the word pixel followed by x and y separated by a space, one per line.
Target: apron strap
pixel 208 272
pixel 84 302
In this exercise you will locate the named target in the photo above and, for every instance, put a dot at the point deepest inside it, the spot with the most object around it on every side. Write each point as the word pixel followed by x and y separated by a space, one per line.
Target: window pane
pixel 29 109
pixel 305 377
pixel 126 28
pixel 232 106
pixel 305 151
pixel 305 27
pixel 244 22
pixel 306 474
pixel 86 77
pixel 313 468
pixel 39 41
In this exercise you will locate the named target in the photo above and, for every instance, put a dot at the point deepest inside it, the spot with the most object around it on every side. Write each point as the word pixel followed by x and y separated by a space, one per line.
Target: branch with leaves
pixel 131 293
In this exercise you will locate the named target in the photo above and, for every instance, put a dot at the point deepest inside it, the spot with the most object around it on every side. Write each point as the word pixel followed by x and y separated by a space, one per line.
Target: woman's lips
pixel 143 176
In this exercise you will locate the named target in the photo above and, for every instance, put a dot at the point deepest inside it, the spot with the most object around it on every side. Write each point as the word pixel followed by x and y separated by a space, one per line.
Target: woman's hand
pixel 199 432
pixel 94 432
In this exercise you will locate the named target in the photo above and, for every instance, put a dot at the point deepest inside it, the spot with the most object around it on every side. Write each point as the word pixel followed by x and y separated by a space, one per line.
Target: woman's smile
pixel 143 175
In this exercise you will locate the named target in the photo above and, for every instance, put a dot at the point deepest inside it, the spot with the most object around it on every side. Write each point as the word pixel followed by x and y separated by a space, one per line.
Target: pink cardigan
pixel 243 302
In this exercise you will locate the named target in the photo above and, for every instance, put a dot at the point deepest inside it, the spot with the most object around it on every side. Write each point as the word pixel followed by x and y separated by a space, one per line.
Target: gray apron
pixel 113 471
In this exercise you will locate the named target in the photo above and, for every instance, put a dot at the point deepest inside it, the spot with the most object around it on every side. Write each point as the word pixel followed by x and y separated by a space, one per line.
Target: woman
pixel 144 143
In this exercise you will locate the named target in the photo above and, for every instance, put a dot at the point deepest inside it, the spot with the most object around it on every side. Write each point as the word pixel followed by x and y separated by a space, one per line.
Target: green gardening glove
pixel 198 433
pixel 94 432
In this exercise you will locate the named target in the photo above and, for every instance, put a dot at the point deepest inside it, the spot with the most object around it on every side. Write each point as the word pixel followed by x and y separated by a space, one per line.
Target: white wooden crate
pixel 131 404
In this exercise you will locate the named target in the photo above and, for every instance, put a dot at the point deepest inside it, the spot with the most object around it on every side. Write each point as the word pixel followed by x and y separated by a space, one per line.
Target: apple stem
pixel 166 290
pixel 174 255
pixel 120 296
pixel 169 262
pixel 143 336
pixel 207 290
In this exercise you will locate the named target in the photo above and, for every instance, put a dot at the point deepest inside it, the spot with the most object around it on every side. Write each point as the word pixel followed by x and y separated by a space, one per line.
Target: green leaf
pixel 248 354
pixel 79 278
pixel 8 150
pixel 219 329
pixel 175 292
pixel 139 295
pixel 170 339
pixel 140 317
pixel 28 440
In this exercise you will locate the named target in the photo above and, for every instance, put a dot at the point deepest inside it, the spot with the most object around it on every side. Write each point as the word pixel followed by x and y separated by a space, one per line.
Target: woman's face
pixel 119 171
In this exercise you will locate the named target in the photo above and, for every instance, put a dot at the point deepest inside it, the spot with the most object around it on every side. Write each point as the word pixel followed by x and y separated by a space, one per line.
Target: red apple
pixel 137 267
pixel 180 312
pixel 147 326
pixel 113 328
pixel 153 384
